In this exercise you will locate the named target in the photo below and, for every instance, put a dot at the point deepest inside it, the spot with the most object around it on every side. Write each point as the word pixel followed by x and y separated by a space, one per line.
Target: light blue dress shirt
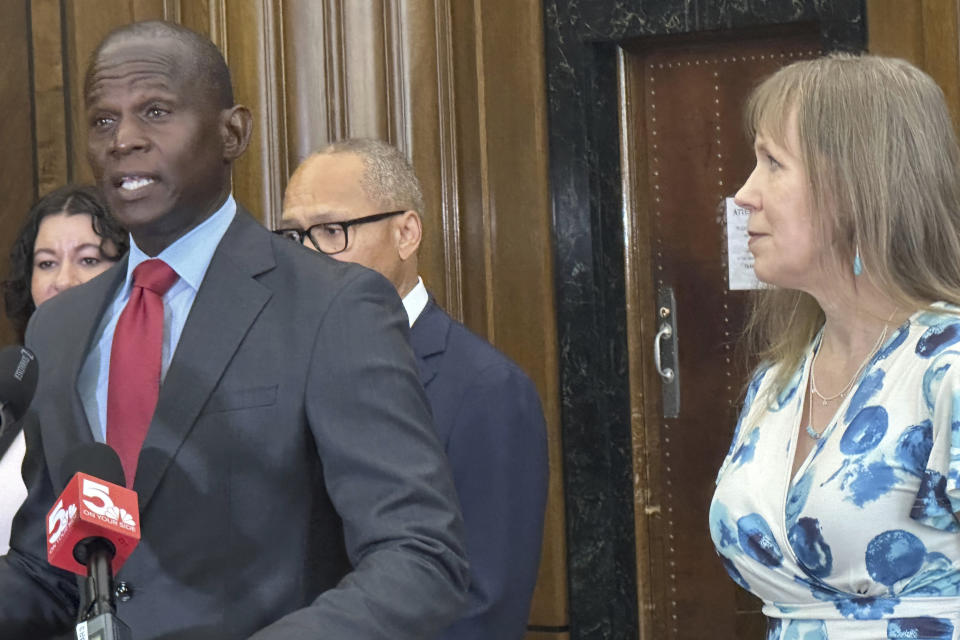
pixel 190 257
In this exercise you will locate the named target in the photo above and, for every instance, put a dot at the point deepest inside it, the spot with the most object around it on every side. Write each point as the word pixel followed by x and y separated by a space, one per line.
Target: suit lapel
pixel 428 337
pixel 209 341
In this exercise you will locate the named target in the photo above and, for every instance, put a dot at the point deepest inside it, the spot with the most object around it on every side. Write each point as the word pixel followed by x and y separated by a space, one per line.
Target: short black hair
pixel 210 67
pixel 70 199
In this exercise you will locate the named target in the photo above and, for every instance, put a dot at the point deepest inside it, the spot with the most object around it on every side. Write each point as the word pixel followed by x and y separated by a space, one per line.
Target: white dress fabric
pixel 862 542
pixel 12 490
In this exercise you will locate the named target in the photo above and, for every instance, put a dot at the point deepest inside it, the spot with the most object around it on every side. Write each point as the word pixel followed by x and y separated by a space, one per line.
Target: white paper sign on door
pixel 739 259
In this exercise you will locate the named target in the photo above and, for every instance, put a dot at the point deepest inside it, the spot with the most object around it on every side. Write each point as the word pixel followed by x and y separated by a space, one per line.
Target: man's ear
pixel 410 232
pixel 236 126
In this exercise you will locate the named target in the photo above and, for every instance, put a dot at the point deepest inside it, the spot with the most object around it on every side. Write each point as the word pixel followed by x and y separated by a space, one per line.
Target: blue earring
pixel 857 264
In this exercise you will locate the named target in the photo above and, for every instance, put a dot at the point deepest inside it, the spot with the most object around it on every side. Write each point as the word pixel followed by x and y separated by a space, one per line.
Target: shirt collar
pixel 416 301
pixel 190 255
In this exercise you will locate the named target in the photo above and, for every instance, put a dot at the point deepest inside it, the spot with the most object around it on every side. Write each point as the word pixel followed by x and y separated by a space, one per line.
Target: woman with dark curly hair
pixel 67 239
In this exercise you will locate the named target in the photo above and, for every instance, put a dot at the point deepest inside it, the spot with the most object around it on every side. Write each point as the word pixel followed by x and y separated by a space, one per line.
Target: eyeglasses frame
pixel 345 224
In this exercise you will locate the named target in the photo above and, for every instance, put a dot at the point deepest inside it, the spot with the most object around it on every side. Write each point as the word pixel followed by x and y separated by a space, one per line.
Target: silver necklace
pixel 824 400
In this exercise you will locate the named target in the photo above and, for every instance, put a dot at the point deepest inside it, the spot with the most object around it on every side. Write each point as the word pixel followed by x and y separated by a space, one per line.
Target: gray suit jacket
pixel 291 484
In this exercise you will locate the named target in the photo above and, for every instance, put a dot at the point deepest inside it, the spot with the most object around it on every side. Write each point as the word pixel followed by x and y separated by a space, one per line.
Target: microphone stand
pixel 98 619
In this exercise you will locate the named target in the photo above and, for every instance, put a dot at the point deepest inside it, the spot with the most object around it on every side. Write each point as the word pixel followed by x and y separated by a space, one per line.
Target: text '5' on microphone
pixel 92 530
pixel 18 382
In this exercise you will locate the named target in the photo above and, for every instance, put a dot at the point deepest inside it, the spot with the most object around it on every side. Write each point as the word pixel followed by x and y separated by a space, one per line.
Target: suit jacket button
pixel 124 591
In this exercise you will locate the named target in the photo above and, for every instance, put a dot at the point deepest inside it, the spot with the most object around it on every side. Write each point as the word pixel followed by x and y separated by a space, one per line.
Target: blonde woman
pixel 837 504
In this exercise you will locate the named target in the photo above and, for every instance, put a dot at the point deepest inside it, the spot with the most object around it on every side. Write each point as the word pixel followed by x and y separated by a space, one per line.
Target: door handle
pixel 665 332
pixel 666 354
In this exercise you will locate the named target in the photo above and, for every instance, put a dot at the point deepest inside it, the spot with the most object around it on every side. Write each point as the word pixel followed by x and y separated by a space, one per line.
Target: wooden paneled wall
pixel 926 34
pixel 18 161
pixel 459 86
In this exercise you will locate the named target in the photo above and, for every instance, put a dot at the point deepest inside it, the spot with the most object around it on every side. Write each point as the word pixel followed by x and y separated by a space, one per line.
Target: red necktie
pixel 134 383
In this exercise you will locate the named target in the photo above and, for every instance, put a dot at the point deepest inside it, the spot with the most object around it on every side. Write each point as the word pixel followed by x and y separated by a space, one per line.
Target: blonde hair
pixel 881 157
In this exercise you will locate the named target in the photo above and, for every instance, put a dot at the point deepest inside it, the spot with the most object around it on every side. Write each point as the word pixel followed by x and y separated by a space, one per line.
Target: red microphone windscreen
pixel 92 507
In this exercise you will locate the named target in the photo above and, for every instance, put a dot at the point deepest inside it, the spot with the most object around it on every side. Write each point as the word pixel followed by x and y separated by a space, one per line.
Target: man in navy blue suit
pixel 359 201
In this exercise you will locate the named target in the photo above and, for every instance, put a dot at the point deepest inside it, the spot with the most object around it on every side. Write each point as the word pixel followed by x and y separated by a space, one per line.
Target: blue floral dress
pixel 862 542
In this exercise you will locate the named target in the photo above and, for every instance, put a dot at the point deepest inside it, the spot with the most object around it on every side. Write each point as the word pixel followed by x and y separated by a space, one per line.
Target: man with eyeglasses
pixel 359 201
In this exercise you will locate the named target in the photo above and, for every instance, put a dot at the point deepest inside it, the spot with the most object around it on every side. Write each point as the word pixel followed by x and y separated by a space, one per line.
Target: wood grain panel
pixel 941 50
pixel 340 61
pixel 356 69
pixel 253 47
pixel 925 33
pixel 365 69
pixel 313 51
pixel 424 111
pixel 560 634
pixel 513 239
pixel 895 28
pixel 471 145
pixel 16 129
pixel 203 16
pixel 50 124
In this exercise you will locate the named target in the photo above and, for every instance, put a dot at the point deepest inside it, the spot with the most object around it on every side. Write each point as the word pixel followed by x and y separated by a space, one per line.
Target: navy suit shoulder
pixel 489 418
pixel 453 359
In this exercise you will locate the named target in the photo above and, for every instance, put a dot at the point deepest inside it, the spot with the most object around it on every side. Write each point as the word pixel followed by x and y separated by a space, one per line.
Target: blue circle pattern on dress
pixel 932 507
pixel 923 627
pixel 938 337
pixel 937 578
pixel 894 555
pixel 790 390
pixel 805 630
pixel 893 342
pixel 868 482
pixel 813 552
pixel 913 448
pixel 744 452
pixel 866 608
pixel 722 530
pixel 748 402
pixel 932 378
pixel 757 541
pixel 865 431
pixel 871 384
pixel 797 497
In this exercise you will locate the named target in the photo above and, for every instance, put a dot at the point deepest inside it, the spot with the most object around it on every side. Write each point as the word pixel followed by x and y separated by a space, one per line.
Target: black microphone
pixel 18 382
pixel 91 525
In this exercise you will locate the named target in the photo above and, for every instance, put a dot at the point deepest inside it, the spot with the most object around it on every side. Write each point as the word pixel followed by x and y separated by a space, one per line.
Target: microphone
pixel 18 381
pixel 91 531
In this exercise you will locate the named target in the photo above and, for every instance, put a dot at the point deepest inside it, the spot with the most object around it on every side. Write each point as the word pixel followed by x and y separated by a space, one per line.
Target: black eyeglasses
pixel 331 237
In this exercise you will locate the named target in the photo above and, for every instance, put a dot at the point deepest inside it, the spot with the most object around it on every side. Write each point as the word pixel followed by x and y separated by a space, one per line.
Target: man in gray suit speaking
pixel 290 481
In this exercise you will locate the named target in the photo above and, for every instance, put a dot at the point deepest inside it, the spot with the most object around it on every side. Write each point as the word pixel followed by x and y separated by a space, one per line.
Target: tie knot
pixel 155 275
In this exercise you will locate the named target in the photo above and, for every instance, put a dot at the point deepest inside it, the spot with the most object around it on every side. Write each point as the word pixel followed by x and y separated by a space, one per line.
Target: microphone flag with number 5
pixel 92 508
